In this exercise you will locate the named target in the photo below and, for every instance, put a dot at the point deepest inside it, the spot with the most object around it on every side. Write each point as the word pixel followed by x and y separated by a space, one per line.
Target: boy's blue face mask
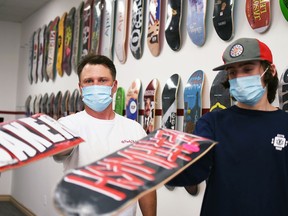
pixel 247 90
pixel 97 97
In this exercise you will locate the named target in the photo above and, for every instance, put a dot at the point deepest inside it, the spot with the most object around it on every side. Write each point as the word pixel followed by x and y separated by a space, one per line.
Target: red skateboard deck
pixel 121 178
pixel 30 139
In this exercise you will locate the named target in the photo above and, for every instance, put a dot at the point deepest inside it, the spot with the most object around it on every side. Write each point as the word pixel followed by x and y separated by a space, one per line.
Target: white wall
pixel 33 185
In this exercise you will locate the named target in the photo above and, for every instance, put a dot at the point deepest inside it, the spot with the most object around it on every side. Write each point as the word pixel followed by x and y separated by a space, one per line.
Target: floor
pixel 8 209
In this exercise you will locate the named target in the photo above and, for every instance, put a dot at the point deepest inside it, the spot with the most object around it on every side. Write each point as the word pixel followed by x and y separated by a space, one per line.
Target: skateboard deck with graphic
pixel 283 91
pixel 60 44
pixel 154 27
pixel 169 102
pixel 219 95
pixel 35 55
pixel 107 31
pixel 284 8
pixel 73 100
pixel 87 23
pixel 27 105
pixel 32 104
pixel 196 19
pixel 41 51
pixel 150 102
pixel 31 55
pixel 173 24
pixel 68 41
pixel 120 101
pixel 50 104
pixel 97 8
pixel 77 36
pixel 137 28
pixel 52 52
pixel 65 104
pixel 133 100
pixel 57 108
pixel 38 104
pixel 121 28
pixel 258 14
pixel 223 20
pixel 193 100
pixel 123 177
pixel 45 53
pixel 44 102
pixel 33 138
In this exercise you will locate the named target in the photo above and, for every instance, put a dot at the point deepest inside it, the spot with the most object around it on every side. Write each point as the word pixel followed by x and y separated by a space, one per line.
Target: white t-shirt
pixel 102 137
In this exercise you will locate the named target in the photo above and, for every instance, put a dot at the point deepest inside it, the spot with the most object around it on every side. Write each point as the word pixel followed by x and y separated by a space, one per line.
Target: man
pixel 103 130
pixel 247 171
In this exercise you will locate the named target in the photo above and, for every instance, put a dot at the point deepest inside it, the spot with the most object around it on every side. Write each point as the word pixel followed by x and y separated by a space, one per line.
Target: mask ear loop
pixel 264 72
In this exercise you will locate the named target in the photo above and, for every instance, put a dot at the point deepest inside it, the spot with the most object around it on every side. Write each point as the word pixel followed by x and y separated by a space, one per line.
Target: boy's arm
pixel 148 204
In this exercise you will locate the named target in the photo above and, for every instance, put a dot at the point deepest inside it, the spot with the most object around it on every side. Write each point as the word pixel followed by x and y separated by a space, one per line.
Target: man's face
pixel 242 69
pixel 97 75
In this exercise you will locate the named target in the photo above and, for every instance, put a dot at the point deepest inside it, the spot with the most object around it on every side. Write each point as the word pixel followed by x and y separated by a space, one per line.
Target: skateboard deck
pixel 73 100
pixel 35 55
pixel 120 101
pixel 121 28
pixel 57 105
pixel 50 104
pixel 30 139
pixel 154 27
pixel 41 47
pixel 31 55
pixel 52 52
pixel 169 102
pixel 196 19
pixel 219 95
pixel 150 102
pixel 137 28
pixel 27 105
pixel 223 20
pixel 284 8
pixel 132 100
pixel 173 24
pixel 68 41
pixel 65 103
pixel 283 91
pixel 193 100
pixel 121 178
pixel 60 47
pixel 45 53
pixel 107 31
pixel 96 26
pixel 38 103
pixel 87 23
pixel 77 36
pixel 32 104
pixel 258 14
pixel 44 102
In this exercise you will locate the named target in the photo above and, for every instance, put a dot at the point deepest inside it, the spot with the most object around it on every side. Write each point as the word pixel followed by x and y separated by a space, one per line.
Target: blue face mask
pixel 247 90
pixel 97 97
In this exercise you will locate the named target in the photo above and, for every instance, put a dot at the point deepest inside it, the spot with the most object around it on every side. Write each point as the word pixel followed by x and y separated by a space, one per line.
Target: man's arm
pixel 148 204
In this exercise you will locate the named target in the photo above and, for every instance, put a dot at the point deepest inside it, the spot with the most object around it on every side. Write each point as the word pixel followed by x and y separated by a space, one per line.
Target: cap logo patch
pixel 236 50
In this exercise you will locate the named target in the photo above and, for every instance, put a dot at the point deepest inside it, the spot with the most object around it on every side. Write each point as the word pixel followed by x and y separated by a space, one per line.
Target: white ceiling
pixel 19 10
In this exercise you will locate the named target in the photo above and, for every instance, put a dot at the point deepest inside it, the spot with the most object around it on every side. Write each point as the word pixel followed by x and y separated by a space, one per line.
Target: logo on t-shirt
pixel 279 142
pixel 128 141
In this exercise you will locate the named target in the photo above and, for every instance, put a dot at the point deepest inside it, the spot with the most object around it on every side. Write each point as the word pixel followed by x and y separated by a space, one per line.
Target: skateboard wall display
pixel 196 21
pixel 33 138
pixel 154 27
pixel 173 24
pixel 121 30
pixel 258 14
pixel 52 52
pixel 60 44
pixel 223 19
pixel 68 41
pixel 137 28
pixel 121 178
pixel 120 101
pixel 283 91
pixel 97 8
pixel 150 105
pixel 107 31
pixel 169 102
pixel 284 8
pixel 133 100
pixel 77 36
pixel 219 95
